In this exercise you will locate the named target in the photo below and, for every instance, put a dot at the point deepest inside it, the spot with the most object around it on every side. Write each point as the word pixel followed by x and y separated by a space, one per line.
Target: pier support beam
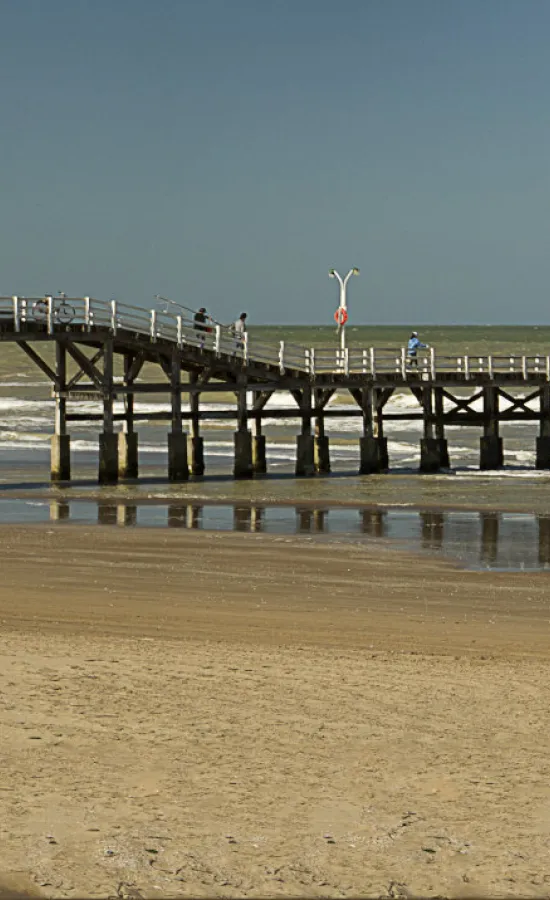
pixel 305 446
pixel 259 459
pixel 195 453
pixel 127 454
pixel 490 452
pixel 195 446
pixel 380 401
pixel 490 445
pixel 373 455
pixel 178 468
pixel 128 439
pixel 242 466
pixel 430 455
pixel 108 458
pixel 321 454
pixel 321 450
pixel 60 467
pixel 373 447
pixel 305 455
pixel 61 457
pixel 543 440
pixel 543 453
pixel 108 440
pixel 430 445
pixel 444 461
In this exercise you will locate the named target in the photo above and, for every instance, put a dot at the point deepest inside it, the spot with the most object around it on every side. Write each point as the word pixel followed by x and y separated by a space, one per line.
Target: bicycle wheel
pixel 40 310
pixel 64 313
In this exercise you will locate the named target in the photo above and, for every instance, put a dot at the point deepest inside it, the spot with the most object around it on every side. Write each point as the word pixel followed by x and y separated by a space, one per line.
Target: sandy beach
pixel 232 715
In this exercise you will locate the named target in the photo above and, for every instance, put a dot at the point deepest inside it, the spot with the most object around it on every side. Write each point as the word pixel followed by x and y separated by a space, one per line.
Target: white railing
pixel 20 314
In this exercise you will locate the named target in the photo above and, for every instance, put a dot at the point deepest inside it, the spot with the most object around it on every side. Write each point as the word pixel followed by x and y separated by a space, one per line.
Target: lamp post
pixel 342 311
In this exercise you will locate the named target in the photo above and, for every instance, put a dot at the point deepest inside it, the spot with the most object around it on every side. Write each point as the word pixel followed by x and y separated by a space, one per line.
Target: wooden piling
pixel 490 452
pixel 60 449
pixel 195 442
pixel 543 440
pixel 108 440
pixel 242 465
pixel 305 452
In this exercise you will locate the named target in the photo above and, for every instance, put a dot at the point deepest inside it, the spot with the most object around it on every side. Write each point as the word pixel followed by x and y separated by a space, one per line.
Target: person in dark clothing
pixel 199 324
pixel 200 319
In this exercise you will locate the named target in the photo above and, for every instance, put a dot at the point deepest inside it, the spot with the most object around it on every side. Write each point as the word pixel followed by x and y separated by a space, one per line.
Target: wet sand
pixel 208 714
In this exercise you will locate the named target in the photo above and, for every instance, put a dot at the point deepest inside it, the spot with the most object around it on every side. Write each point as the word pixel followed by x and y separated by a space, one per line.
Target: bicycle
pixel 63 312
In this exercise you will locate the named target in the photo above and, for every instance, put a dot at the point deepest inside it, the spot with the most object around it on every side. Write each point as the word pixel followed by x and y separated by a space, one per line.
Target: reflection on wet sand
pixel 373 522
pixel 489 540
pixel 107 514
pixel 544 540
pixel 59 511
pixel 126 514
pixel 242 518
pixel 257 518
pixel 177 516
pixel 432 524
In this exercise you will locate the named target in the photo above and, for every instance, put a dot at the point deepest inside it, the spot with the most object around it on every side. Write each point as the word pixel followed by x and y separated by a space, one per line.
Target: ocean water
pixel 27 412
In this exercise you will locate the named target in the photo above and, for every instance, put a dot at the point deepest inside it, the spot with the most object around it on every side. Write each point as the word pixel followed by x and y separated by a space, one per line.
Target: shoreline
pixel 97 494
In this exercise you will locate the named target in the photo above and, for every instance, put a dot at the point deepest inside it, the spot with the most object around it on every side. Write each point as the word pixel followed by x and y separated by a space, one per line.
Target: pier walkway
pixel 86 337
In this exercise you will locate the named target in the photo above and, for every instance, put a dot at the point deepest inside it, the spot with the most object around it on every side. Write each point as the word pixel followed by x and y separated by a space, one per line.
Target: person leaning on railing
pixel 413 346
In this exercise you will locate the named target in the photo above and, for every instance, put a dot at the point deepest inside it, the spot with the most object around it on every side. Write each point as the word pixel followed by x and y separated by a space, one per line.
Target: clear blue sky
pixel 228 152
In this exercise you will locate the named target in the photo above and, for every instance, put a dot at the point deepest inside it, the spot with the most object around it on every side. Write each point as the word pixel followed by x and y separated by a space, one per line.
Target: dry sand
pixel 208 715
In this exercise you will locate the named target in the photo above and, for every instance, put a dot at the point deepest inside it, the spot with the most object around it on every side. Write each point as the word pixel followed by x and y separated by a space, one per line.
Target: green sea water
pixel 448 340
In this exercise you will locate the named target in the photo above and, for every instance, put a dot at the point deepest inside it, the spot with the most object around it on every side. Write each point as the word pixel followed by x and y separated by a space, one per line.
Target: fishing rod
pixel 188 309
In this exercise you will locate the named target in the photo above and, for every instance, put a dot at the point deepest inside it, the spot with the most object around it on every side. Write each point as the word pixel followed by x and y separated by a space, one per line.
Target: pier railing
pixel 53 314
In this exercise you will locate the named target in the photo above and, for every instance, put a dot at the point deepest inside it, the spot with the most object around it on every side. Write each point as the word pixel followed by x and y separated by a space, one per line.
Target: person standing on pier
pixel 199 324
pixel 413 347
pixel 239 330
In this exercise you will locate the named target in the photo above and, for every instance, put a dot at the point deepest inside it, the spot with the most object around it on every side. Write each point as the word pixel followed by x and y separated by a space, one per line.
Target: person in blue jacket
pixel 413 347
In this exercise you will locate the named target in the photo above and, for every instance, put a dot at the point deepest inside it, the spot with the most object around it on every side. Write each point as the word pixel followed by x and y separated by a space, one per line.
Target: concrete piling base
pixel 373 455
pixel 242 464
pixel 543 453
pixel 108 458
pixel 490 452
pixel 178 469
pixel 259 462
pixel 305 455
pixel 61 457
pixel 321 455
pixel 195 452
pixel 127 455
pixel 444 460
pixel 430 458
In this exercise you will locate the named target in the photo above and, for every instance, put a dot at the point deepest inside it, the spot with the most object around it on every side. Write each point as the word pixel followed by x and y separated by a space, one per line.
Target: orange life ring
pixel 341 316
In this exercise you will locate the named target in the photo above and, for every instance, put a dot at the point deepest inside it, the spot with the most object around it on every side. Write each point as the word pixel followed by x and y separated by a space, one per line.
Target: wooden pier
pixel 89 336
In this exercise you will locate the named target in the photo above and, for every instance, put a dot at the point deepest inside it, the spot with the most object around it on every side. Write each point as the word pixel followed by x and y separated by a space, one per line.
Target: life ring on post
pixel 341 316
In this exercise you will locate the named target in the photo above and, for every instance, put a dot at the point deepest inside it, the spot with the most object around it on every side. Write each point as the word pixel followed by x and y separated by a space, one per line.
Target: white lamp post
pixel 343 282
